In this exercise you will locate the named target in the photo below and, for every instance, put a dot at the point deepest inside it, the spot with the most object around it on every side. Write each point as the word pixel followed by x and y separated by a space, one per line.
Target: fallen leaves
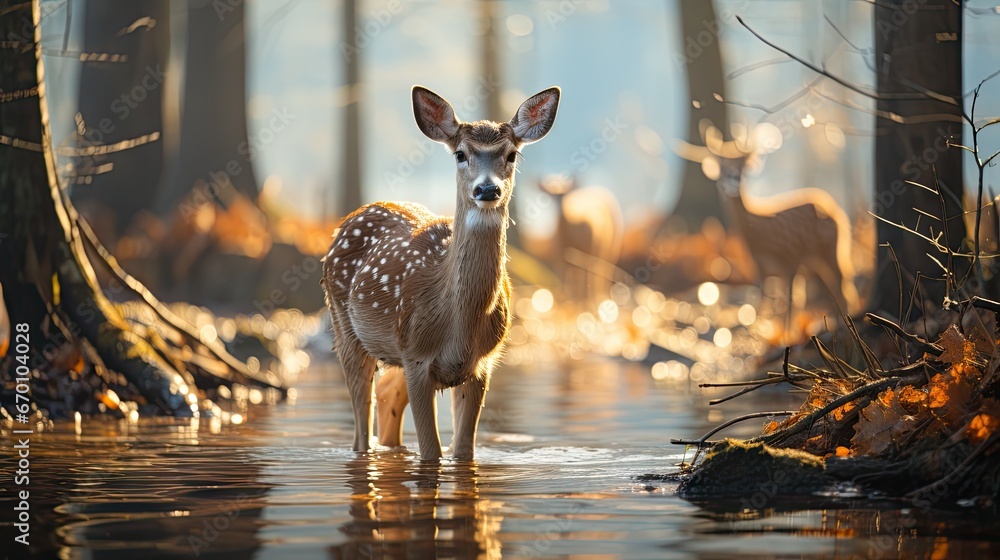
pixel 880 424
pixel 984 423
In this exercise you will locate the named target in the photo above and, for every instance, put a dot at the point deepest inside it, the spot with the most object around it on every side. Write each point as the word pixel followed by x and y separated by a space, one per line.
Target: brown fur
pixel 427 293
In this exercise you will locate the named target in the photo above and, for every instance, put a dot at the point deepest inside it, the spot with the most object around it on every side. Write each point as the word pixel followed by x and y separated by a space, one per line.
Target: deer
pixel 588 236
pixel 804 231
pixel 429 296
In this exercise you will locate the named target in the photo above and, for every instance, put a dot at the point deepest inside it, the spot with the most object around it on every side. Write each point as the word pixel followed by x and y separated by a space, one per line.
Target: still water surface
pixel 554 477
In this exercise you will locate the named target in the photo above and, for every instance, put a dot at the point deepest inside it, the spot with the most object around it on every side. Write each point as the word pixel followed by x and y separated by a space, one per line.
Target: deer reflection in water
pixel 405 508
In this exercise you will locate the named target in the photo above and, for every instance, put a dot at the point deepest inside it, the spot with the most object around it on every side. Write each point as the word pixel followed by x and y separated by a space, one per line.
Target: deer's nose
pixel 487 192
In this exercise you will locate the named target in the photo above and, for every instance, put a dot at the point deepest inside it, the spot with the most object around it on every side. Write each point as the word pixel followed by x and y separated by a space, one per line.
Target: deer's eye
pixel 460 156
pixel 512 157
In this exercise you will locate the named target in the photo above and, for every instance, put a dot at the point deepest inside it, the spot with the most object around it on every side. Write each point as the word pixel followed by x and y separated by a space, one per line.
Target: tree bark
pixel 48 282
pixel 120 100
pixel 44 263
pixel 918 45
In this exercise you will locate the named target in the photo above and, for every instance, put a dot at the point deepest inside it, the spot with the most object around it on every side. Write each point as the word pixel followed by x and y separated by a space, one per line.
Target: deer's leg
pixel 390 393
pixel 466 406
pixel 359 372
pixel 421 390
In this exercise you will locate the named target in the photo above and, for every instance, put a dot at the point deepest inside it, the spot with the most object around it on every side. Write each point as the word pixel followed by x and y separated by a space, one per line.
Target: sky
pixel 624 96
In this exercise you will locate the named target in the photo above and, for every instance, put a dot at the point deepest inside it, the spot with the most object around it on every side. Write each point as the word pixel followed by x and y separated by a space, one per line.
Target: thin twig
pixel 929 347
pixel 703 440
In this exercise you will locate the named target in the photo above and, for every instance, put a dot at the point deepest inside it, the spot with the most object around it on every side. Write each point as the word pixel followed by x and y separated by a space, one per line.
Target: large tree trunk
pixel 699 198
pixel 214 154
pixel 922 49
pixel 120 100
pixel 48 282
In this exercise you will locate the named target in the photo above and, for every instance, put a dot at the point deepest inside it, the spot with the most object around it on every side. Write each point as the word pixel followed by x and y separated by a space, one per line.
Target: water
pixel 554 478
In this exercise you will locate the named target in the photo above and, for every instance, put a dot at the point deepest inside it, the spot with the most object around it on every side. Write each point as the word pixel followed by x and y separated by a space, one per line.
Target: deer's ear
pixel 435 117
pixel 535 116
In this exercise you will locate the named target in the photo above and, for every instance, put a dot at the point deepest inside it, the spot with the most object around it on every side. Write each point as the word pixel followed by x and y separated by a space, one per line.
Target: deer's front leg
pixel 420 388
pixel 466 406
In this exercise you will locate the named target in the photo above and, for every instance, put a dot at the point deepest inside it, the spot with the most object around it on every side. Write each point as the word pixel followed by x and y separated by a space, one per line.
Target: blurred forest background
pixel 251 128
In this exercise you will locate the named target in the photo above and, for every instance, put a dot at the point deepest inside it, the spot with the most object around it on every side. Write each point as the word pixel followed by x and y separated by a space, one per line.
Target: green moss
pixel 757 472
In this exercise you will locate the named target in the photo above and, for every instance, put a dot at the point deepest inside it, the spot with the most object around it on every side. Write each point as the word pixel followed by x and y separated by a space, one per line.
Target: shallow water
pixel 554 477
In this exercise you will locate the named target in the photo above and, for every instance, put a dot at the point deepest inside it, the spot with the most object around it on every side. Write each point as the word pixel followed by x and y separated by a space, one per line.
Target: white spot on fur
pixel 357 232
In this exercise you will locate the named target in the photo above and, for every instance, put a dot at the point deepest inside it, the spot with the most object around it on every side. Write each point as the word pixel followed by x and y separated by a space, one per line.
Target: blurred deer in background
pixel 427 293
pixel 800 232
pixel 588 237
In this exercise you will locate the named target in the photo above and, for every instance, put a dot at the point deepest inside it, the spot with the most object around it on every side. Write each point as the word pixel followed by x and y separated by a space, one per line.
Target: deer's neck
pixel 475 266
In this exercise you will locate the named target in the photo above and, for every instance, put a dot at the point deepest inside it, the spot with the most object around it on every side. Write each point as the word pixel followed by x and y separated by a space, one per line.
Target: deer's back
pixel 381 259
pixel 803 225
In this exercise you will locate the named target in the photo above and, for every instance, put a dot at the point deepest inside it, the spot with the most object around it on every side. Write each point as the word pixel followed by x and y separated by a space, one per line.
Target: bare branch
pixel 922 95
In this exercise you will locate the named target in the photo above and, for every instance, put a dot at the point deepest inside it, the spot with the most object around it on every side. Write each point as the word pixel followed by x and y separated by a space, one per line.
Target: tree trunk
pixel 48 283
pixel 215 152
pixel 922 49
pixel 350 166
pixel 703 63
pixel 120 99
pixel 44 263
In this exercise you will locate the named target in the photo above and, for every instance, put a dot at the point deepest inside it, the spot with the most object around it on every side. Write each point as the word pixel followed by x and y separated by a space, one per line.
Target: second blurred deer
pixel 803 231
pixel 588 237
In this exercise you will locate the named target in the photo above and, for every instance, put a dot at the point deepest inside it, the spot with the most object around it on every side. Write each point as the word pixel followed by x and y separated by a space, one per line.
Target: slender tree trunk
pixel 350 174
pixel 214 153
pixel 917 45
pixel 120 100
pixel 703 63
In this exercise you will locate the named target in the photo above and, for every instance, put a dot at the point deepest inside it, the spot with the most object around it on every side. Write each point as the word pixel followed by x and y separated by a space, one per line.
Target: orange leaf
pixel 948 397
pixel 770 427
pixel 980 428
pixel 885 397
pixel 954 345
pixel 912 400
pixel 880 424
pixel 843 451
pixel 982 425
pixel 840 412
